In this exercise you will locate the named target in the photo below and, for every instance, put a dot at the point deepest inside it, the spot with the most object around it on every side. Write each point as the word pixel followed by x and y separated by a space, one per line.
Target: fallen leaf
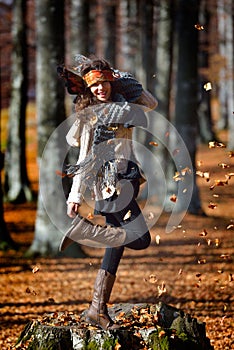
pixel 205 174
pixel 202 261
pixel 161 334
pixel 152 279
pixel 212 205
pixel 161 289
pixel 35 269
pixel 223 165
pixel 225 256
pixel 203 233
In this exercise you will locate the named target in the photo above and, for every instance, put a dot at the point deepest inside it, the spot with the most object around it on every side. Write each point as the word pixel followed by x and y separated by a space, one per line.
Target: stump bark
pixel 143 326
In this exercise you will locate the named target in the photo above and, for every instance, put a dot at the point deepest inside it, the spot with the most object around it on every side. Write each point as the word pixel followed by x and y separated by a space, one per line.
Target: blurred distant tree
pixel 186 117
pixel 78 28
pixel 17 187
pixel 5 238
pixel 225 12
pixel 206 124
pixel 51 217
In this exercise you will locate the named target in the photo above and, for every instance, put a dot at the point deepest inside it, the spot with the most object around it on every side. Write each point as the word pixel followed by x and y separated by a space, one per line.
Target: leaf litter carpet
pixel 190 268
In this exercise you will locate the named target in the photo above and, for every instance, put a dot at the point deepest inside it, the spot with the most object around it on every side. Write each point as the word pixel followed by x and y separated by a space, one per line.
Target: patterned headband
pixel 94 76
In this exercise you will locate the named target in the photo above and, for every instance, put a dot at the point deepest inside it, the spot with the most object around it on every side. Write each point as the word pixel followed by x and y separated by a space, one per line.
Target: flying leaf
pixel 157 239
pixel 230 226
pixel 153 143
pixel 173 198
pixel 199 26
pixel 127 215
pixel 207 86
pixel 90 216
pixel 213 144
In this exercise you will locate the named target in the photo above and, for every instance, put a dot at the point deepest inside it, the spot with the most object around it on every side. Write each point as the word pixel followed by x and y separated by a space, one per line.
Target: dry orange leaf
pixel 212 205
pixel 152 279
pixel 199 26
pixel 35 269
pixel 205 175
pixel 203 233
pixel 230 226
pixel 224 165
pixel 213 144
pixel 202 261
pixel 153 143
pixel 90 216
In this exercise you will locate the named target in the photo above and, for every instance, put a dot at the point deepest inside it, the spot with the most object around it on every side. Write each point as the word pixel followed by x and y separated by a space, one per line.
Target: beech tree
pixel 17 187
pixel 51 219
pixel 186 118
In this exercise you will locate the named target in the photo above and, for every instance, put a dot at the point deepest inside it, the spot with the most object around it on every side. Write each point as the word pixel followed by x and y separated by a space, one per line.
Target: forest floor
pixel 194 263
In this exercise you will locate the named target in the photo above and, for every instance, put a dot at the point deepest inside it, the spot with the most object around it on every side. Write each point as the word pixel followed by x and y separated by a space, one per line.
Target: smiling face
pixel 101 90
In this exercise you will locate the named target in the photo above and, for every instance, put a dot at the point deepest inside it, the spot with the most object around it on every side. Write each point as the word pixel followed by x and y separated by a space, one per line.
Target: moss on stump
pixel 143 326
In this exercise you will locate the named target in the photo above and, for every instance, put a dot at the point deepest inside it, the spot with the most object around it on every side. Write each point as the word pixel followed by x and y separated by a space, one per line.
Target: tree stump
pixel 143 326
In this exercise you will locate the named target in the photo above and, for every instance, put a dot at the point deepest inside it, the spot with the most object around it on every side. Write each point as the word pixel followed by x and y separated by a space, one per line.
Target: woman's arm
pixel 147 100
pixel 77 191
pixel 133 91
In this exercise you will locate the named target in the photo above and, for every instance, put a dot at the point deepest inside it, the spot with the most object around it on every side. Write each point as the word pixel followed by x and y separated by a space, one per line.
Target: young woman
pixel 106 156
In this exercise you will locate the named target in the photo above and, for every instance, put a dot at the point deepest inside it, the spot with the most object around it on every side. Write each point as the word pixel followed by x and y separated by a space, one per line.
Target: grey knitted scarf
pixel 103 118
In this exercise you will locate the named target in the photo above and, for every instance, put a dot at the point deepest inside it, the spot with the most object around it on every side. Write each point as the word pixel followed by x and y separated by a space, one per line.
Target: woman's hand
pixel 72 209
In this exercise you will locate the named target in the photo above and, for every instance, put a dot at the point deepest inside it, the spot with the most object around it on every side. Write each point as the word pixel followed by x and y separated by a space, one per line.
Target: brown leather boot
pixel 82 229
pixel 97 313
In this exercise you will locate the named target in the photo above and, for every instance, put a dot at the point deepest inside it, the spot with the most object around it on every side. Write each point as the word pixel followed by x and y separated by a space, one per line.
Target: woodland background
pixel 175 48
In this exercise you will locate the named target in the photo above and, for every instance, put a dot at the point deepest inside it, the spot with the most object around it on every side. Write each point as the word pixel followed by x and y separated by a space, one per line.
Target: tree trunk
pixel 5 239
pixel 16 185
pixel 78 28
pixel 148 326
pixel 51 220
pixel 186 119
pixel 206 125
pixel 226 85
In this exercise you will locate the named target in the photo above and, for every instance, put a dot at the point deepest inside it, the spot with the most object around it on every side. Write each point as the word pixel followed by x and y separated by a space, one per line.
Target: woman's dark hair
pixel 95 64
pixel 87 98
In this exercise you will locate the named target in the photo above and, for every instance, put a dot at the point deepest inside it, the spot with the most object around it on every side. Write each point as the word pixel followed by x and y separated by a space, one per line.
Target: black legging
pixel 138 236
